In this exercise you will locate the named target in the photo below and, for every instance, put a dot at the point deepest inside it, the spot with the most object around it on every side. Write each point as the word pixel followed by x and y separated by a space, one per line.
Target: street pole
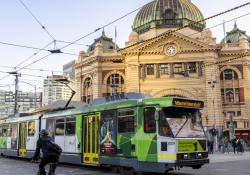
pixel 16 93
pixel 212 85
pixel 231 128
pixel 15 73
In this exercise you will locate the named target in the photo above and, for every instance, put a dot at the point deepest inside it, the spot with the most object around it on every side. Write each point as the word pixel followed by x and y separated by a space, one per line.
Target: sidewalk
pixel 231 157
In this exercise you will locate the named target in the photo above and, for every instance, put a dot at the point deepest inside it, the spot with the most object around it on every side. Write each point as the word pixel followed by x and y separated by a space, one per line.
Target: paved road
pixel 220 165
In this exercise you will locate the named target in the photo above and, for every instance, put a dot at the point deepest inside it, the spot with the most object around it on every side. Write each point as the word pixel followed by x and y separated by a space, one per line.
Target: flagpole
pixel 115 38
pixel 224 30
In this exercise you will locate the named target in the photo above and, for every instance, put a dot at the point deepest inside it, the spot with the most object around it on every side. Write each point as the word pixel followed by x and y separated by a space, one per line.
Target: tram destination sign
pixel 187 103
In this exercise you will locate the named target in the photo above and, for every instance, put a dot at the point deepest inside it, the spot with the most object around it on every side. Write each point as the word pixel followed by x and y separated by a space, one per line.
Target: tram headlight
pixel 185 156
pixel 199 155
pixel 204 155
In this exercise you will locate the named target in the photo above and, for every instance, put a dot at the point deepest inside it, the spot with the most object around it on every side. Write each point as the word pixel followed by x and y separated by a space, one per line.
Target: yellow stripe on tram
pixel 167 156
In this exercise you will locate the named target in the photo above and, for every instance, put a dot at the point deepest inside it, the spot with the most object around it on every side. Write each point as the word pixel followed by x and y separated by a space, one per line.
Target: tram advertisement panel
pixel 191 145
pixel 108 132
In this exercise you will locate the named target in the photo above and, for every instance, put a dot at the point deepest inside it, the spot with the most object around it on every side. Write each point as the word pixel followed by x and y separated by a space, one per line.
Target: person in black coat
pixel 44 144
pixel 234 144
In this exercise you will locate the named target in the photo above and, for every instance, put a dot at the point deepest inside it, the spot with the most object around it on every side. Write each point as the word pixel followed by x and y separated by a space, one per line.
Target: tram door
pixel 90 139
pixel 22 139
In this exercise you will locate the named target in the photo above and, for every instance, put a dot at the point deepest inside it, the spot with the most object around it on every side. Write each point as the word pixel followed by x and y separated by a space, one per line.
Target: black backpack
pixel 54 148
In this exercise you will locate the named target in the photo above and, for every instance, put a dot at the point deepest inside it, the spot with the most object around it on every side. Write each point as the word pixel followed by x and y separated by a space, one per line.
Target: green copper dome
pixel 106 42
pixel 234 35
pixel 168 14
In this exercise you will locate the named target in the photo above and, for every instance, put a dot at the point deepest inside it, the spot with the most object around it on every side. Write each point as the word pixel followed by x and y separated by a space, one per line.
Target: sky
pixel 69 20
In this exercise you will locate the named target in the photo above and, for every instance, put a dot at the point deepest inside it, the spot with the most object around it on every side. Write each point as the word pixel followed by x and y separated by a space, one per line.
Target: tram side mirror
pixel 157 116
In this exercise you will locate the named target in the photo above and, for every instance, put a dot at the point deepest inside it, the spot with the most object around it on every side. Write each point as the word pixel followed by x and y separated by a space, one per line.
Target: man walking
pixel 234 144
pixel 45 142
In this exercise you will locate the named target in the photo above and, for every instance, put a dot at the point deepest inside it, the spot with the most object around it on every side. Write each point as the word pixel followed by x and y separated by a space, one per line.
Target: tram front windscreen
pixel 180 122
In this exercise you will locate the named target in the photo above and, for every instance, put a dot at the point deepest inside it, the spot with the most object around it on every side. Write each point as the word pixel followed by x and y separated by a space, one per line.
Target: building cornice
pixel 229 53
pixel 141 48
pixel 92 60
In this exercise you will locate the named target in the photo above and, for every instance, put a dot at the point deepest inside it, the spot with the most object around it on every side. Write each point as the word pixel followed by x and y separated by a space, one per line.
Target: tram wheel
pixel 126 171
pixel 196 167
pixel 115 169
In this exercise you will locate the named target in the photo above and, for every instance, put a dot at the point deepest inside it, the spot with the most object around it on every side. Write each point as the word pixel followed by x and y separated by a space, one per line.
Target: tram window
pixel 50 126
pixel 164 129
pixel 126 121
pixel 149 120
pixel 14 136
pixel 31 128
pixel 60 126
pixel 5 131
pixel 70 126
pixel 9 131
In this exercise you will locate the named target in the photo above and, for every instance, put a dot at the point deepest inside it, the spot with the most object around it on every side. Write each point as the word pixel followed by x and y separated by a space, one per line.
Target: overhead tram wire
pixel 102 27
pixel 21 68
pixel 4 77
pixel 35 61
pixel 61 41
pixel 71 43
pixel 216 25
pixel 22 46
pixel 33 69
pixel 26 59
pixel 188 25
pixel 244 54
pixel 205 19
pixel 31 80
pixel 40 76
pixel 34 54
pixel 43 27
pixel 35 48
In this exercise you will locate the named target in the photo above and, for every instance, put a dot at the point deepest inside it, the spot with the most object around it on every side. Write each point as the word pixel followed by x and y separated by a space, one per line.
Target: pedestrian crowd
pixel 225 145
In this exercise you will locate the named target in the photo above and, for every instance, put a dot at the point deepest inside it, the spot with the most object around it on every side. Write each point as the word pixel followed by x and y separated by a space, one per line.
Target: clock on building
pixel 170 50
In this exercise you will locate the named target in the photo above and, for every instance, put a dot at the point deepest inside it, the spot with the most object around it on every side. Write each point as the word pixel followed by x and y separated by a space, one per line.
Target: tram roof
pixel 120 104
pixel 20 119
pixel 160 101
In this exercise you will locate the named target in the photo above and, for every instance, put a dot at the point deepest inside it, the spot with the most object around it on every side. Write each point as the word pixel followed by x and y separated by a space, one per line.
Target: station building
pixel 161 59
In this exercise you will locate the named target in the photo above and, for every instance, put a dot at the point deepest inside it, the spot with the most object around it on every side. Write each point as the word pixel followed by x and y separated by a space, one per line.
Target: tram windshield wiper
pixel 181 127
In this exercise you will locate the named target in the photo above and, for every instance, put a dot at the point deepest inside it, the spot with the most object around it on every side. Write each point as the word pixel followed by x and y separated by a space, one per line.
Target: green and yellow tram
pixel 141 134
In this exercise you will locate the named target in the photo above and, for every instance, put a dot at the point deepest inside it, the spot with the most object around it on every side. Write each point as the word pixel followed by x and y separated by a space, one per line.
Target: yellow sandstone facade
pixel 162 61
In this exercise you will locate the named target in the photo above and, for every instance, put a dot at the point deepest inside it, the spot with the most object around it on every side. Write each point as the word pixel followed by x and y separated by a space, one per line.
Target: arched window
pixel 115 84
pixel 87 83
pixel 87 95
pixel 229 74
